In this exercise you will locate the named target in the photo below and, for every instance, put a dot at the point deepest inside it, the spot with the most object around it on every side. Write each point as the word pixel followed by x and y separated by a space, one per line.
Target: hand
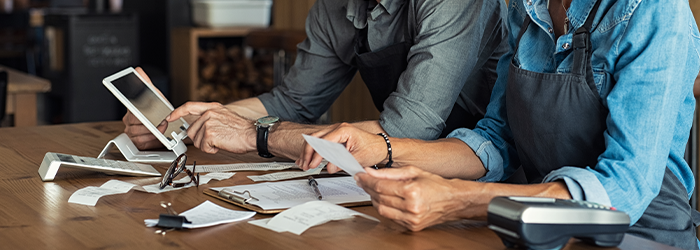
pixel 415 198
pixel 137 132
pixel 217 128
pixel 369 149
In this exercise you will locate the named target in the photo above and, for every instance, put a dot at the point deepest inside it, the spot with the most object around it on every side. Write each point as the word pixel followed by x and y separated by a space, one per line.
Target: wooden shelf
pixel 183 51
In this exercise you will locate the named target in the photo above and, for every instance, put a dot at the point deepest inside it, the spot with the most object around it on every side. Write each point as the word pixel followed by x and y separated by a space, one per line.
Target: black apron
pixel 558 120
pixel 381 70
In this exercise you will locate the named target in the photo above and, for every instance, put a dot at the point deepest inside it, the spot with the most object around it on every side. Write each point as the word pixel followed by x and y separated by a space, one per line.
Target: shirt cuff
pixel 485 150
pixel 582 184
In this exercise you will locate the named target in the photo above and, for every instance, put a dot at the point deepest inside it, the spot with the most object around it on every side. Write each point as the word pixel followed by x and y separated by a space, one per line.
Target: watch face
pixel 268 119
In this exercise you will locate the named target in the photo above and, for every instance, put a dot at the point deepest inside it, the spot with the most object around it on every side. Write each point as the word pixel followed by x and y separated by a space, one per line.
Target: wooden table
pixel 36 214
pixel 22 90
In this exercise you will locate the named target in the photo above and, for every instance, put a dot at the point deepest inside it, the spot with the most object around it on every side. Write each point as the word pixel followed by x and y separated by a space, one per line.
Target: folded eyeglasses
pixel 177 167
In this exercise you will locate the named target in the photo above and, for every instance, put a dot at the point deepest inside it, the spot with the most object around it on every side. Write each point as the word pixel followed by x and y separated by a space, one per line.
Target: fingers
pixel 139 134
pixel 379 186
pixel 401 201
pixel 193 108
pixel 307 154
pixel 402 173
pixel 332 168
pixel 206 142
pixel 162 126
pixel 145 77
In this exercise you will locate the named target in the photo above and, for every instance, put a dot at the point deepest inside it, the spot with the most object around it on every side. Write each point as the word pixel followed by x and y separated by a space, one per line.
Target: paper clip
pixel 237 196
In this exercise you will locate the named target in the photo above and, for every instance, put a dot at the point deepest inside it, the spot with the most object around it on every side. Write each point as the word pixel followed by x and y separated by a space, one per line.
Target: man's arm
pixel 250 108
pixel 450 158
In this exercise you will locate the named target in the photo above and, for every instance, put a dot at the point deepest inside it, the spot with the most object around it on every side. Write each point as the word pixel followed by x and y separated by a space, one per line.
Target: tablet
pixel 147 105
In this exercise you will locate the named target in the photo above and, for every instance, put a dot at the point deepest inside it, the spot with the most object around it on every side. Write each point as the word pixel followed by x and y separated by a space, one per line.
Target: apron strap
pixel 523 28
pixel 583 50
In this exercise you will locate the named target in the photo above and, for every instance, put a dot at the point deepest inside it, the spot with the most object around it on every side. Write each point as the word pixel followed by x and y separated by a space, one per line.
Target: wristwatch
pixel 263 125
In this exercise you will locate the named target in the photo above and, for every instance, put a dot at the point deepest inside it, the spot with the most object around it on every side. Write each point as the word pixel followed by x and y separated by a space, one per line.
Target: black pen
pixel 314 185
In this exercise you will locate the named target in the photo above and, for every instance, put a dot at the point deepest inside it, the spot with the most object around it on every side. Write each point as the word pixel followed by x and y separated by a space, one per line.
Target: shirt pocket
pixel 602 84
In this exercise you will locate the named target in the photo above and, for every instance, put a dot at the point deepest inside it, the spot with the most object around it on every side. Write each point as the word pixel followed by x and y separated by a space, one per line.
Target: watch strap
pixel 261 143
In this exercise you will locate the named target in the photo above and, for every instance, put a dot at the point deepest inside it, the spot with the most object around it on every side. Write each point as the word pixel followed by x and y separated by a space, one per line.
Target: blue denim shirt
pixel 645 59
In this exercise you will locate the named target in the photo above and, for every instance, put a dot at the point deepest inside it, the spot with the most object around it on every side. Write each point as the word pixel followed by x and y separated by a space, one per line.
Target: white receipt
pixel 298 219
pixel 285 175
pixel 336 154
pixel 265 166
pixel 286 194
pixel 90 195
pixel 208 214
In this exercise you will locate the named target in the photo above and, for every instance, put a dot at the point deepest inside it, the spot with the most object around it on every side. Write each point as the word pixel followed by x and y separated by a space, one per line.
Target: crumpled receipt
pixel 299 218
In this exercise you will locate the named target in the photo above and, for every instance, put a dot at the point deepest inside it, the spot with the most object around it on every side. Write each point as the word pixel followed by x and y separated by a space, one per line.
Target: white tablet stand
pixel 131 153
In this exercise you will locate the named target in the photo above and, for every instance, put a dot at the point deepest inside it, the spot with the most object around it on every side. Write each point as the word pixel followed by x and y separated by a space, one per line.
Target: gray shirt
pixel 456 46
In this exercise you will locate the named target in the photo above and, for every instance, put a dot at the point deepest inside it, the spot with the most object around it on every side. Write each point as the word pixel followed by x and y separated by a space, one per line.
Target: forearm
pixel 474 197
pixel 370 126
pixel 286 139
pixel 449 158
pixel 251 108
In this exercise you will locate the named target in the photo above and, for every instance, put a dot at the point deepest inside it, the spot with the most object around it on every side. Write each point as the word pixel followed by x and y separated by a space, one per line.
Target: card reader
pixel 548 223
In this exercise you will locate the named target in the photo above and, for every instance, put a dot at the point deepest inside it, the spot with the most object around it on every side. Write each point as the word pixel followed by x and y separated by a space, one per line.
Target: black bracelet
pixel 388 146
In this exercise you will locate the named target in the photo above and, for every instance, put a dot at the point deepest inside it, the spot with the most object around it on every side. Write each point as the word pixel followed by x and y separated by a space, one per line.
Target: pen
pixel 314 185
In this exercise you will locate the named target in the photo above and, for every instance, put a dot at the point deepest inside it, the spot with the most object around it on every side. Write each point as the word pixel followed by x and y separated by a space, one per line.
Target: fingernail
pixel 357 178
pixel 167 117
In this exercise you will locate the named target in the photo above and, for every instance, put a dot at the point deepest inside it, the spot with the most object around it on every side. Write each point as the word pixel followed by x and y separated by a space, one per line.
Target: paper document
pixel 336 154
pixel 90 195
pixel 286 175
pixel 298 219
pixel 208 214
pixel 265 166
pixel 286 194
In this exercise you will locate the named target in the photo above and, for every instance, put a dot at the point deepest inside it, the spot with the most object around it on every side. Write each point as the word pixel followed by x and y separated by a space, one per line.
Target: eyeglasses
pixel 177 167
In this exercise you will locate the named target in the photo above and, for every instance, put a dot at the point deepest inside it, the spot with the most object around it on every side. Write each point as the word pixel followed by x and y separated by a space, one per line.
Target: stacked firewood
pixel 227 74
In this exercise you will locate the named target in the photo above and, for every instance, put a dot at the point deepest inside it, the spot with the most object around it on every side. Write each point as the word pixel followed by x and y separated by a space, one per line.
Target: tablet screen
pixel 147 102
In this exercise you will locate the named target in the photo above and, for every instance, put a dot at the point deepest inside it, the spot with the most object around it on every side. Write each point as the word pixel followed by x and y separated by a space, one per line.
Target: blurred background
pixel 193 50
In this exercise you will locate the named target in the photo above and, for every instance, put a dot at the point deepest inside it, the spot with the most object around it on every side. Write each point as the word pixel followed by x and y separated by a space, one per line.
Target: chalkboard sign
pixel 97 45
pixel 104 50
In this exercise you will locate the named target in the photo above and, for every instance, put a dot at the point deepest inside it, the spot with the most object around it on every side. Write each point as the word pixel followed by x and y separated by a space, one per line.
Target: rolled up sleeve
pixel 318 75
pixel 445 53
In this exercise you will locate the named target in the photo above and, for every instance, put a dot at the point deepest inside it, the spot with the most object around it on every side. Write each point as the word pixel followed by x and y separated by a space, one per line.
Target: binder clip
pixel 171 220
pixel 238 197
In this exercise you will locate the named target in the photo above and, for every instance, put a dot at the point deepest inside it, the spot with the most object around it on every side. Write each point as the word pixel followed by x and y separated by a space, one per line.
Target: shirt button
pixel 565 46
pixel 529 2
pixel 550 30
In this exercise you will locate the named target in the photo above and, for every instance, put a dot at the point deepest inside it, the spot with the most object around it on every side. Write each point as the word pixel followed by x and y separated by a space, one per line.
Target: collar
pixel 580 9
pixel 356 10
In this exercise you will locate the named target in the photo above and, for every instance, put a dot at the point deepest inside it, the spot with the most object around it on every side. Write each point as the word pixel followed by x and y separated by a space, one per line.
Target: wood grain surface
pixel 37 215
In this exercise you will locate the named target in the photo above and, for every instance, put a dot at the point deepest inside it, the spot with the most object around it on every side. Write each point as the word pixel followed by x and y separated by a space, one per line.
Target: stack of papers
pixel 286 194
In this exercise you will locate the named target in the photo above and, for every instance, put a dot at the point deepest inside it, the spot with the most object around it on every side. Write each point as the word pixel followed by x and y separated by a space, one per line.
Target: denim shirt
pixel 645 59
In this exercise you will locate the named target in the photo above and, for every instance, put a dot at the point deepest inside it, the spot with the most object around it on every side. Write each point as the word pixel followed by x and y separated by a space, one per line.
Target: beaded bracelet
pixel 388 146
